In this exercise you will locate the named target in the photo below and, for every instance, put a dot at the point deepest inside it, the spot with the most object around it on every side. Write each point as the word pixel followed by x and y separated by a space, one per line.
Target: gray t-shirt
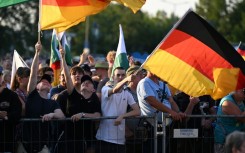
pixel 146 87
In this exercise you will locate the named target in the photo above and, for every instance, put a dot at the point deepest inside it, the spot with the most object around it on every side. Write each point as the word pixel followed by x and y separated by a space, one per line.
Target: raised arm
pixel 120 84
pixel 34 68
pixel 69 84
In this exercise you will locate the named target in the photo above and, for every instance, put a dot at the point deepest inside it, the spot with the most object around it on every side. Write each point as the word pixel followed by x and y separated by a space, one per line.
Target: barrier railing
pixel 176 137
pixel 32 135
pixel 186 137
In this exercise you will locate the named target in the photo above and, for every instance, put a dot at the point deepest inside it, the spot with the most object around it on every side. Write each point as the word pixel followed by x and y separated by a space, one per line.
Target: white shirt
pixel 114 105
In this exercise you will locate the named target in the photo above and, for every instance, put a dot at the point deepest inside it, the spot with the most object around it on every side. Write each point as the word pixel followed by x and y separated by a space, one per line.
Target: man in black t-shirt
pixel 39 105
pixel 10 113
pixel 82 102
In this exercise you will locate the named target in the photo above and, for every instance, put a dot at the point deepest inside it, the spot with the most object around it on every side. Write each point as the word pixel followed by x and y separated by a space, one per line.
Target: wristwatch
pixel 83 114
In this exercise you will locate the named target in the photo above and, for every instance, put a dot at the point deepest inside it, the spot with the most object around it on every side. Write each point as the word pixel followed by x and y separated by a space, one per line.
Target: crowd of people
pixel 83 95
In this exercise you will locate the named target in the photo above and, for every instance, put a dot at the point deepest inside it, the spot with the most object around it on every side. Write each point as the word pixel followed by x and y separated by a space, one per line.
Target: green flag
pixel 4 3
pixel 121 59
pixel 55 54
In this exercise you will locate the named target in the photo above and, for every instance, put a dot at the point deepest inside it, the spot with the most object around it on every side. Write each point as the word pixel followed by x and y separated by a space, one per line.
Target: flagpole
pixel 39 26
pixel 239 45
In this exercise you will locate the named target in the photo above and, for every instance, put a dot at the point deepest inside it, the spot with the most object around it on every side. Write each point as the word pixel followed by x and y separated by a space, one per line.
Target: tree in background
pixel 227 16
pixel 18 28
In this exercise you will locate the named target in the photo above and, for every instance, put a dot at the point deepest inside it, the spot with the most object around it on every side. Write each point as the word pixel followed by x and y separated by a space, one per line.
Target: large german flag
pixel 196 59
pixel 62 14
pixel 241 50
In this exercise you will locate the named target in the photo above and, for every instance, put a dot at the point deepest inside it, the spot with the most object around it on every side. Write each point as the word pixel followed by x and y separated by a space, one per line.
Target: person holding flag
pixel 155 98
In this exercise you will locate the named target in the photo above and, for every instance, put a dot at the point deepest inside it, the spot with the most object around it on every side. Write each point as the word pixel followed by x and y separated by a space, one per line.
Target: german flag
pixel 196 59
pixel 241 49
pixel 63 14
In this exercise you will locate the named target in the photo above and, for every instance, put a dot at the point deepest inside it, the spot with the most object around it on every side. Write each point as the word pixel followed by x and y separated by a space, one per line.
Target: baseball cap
pixel 85 78
pixel 132 69
pixel 101 64
pixel 45 77
pixel 85 67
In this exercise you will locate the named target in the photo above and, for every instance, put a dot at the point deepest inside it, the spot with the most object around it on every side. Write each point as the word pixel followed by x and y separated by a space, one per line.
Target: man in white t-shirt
pixel 114 102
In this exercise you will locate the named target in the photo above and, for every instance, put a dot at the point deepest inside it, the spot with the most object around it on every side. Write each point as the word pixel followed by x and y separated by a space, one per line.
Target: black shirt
pixel 76 103
pixel 9 102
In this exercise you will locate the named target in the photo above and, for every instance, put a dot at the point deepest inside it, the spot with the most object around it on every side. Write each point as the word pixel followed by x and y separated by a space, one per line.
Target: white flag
pixel 17 62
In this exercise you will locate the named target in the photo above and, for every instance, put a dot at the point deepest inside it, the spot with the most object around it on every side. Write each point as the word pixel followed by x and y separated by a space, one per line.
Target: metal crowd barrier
pixel 178 137
pixel 56 143
pixel 181 137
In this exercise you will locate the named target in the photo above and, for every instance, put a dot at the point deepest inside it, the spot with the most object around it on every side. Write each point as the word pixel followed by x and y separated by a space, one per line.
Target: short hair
pixel 118 68
pixel 234 140
pixel 76 69
pixel 43 70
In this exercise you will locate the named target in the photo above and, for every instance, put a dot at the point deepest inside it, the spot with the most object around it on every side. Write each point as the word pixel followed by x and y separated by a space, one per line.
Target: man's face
pixel 50 73
pixel 76 77
pixel 88 86
pixel 62 79
pixel 7 64
pixel 119 75
pixel 44 85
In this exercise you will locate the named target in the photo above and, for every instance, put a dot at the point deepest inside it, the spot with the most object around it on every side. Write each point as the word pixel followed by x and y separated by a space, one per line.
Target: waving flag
pixel 55 54
pixel 121 59
pixel 241 49
pixel 17 62
pixel 135 5
pixel 4 3
pixel 196 59
pixel 63 14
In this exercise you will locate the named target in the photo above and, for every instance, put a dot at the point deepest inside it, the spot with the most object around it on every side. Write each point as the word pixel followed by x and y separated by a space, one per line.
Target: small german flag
pixel 241 49
pixel 196 59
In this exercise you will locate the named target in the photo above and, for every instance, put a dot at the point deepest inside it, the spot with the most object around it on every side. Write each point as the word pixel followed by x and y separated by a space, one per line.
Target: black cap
pixel 85 67
pixel 85 78
pixel 45 77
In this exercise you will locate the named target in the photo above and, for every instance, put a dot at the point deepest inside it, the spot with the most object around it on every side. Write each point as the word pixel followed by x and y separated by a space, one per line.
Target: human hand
pixel 118 120
pixel 131 78
pixel 176 116
pixel 3 114
pixel 76 117
pixel 183 115
pixel 38 47
pixel 194 100
pixel 91 60
pixel 47 117
pixel 62 52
